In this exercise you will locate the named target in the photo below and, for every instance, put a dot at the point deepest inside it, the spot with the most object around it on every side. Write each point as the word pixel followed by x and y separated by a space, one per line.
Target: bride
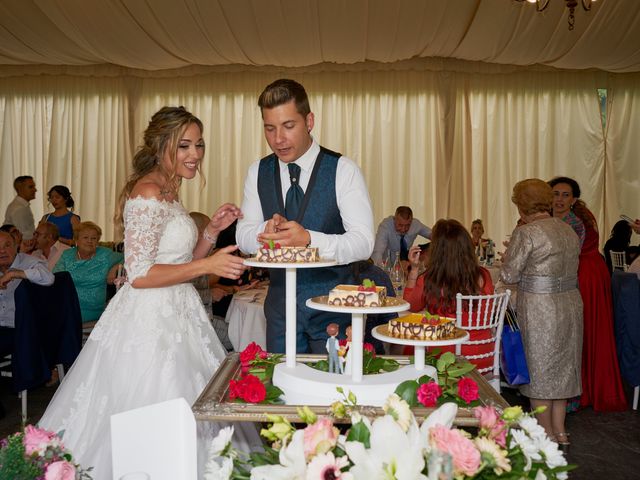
pixel 154 341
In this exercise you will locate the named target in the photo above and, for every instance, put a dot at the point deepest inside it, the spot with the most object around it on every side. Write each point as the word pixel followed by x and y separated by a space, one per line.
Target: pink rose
pixel 36 439
pixel 499 433
pixel 466 457
pixel 319 437
pixel 487 417
pixel 252 389
pixel 428 393
pixel 468 389
pixel 60 470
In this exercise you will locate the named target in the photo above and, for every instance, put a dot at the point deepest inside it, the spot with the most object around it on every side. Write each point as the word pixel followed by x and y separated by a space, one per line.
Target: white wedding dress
pixel 149 346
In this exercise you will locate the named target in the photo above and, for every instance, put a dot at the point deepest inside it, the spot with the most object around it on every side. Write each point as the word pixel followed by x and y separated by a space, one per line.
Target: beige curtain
pixel 447 142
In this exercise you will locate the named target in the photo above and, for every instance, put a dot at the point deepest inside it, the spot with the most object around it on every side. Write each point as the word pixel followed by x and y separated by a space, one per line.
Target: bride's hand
pixel 224 264
pixel 224 216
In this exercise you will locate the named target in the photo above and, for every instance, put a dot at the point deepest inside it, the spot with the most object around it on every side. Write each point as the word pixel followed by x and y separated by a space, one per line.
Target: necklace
pixel 88 258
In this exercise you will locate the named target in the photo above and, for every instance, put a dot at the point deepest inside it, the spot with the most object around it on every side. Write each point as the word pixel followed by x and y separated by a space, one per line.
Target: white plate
pixel 252 262
pixel 381 333
pixel 392 305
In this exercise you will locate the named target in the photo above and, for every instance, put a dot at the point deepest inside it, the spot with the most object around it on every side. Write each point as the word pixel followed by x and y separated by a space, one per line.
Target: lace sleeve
pixel 144 221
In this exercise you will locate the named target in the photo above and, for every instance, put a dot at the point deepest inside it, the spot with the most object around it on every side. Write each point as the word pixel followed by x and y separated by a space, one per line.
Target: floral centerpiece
pixel 510 444
pixel 37 454
pixel 256 373
pixel 452 384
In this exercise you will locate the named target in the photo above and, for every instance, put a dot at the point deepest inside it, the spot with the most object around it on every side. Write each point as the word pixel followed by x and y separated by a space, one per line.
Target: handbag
pixel 513 361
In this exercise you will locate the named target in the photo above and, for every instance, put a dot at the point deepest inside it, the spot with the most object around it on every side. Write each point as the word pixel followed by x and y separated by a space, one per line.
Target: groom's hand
pixel 285 232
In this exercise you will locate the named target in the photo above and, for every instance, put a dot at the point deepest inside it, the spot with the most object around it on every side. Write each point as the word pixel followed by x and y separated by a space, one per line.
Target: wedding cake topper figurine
pixel 335 365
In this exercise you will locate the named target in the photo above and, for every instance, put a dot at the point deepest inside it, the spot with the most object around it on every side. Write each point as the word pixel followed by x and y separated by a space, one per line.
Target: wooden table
pixel 213 404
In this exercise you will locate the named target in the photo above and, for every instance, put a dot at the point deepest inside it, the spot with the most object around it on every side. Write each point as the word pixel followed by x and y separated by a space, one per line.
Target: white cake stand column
pixel 291 312
pixel 357 340
pixel 290 279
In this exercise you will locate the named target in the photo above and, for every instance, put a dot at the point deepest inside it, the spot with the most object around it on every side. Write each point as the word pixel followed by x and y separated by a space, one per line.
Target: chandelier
pixel 571 5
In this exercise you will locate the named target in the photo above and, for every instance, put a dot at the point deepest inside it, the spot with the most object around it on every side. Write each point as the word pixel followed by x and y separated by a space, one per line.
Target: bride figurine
pixel 154 342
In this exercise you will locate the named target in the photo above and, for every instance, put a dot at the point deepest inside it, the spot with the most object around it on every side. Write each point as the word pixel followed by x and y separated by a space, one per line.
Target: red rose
pixel 369 348
pixel 234 389
pixel 342 342
pixel 250 353
pixel 428 393
pixel 253 390
pixel 468 389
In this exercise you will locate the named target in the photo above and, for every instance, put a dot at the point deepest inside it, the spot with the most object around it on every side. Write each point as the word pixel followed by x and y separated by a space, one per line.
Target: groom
pixel 303 195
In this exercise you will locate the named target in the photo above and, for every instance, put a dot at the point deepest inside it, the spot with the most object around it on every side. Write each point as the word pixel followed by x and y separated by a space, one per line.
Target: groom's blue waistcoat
pixel 319 212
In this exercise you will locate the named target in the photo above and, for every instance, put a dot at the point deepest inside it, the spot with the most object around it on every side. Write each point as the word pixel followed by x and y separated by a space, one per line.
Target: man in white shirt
pixel 48 247
pixel 396 234
pixel 15 267
pixel 303 195
pixel 19 212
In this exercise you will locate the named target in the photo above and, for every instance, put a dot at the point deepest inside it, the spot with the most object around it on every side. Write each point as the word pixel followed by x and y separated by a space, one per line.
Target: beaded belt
pixel 537 284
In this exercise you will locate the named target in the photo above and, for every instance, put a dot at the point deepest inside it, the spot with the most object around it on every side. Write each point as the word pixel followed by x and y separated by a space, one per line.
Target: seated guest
pixel 24 246
pixel 619 241
pixel 452 267
pixel 48 246
pixel 14 267
pixel 480 244
pixel 396 234
pixel 91 268
pixel 62 216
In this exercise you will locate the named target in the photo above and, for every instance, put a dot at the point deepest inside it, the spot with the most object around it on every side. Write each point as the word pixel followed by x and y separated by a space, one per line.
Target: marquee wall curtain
pixel 449 143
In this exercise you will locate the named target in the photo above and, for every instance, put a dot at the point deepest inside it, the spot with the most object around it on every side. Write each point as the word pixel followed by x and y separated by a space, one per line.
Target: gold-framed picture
pixel 213 403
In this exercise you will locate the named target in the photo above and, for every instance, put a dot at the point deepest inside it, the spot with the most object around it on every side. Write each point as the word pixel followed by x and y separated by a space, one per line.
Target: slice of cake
pixel 275 253
pixel 365 295
pixel 422 326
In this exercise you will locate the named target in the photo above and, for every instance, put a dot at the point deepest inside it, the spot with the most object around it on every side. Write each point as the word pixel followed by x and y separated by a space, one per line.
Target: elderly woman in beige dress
pixel 542 259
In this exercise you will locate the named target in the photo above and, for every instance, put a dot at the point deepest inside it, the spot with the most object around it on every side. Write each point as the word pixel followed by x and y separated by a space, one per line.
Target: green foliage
pixel 14 465
pixel 359 432
pixel 450 371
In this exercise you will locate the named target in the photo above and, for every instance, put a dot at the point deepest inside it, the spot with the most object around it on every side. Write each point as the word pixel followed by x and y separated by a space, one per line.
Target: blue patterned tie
pixel 294 194
pixel 404 250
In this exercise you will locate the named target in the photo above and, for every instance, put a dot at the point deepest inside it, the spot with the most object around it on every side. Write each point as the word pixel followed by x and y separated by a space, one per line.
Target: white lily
pixel 394 454
pixel 218 471
pixel 220 442
pixel 293 465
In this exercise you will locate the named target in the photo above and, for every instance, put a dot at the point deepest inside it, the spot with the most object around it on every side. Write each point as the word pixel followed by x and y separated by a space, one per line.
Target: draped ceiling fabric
pixel 444 104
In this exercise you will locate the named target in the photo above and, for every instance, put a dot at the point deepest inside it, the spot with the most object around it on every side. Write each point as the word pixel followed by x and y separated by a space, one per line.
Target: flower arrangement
pixel 254 384
pixel 37 454
pixel 452 385
pixel 510 444
pixel 256 372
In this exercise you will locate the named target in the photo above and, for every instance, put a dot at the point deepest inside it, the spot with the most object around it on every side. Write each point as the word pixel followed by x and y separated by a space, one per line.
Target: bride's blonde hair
pixel 162 135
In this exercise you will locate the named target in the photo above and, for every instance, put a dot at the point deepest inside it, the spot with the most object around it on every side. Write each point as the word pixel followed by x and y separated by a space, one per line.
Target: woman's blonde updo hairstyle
pixel 82 226
pixel 162 134
pixel 532 196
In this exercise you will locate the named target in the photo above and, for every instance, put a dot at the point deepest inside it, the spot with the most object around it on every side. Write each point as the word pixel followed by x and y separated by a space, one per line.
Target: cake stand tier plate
pixel 381 333
pixel 253 262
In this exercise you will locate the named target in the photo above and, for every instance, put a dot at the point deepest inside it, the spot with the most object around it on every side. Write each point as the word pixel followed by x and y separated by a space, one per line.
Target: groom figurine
pixel 303 195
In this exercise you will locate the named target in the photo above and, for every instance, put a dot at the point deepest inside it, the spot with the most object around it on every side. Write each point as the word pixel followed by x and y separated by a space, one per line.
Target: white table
pixel 245 318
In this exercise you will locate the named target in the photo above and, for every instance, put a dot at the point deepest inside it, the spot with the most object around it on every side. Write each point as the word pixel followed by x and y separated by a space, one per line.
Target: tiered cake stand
pixel 303 385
